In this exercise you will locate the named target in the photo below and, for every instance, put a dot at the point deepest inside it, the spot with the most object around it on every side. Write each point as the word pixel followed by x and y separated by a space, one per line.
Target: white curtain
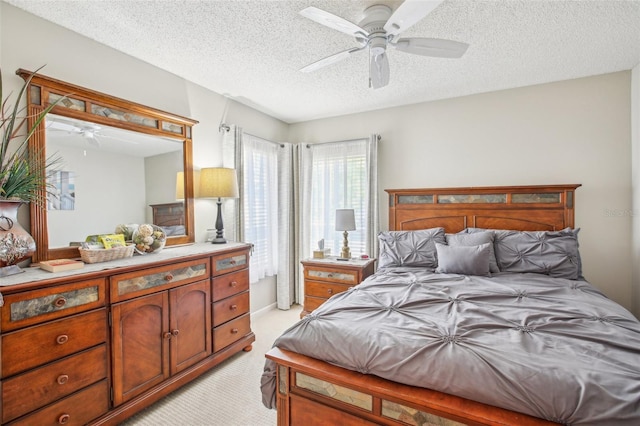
pixel 312 182
pixel 274 238
pixel 260 204
pixel 287 248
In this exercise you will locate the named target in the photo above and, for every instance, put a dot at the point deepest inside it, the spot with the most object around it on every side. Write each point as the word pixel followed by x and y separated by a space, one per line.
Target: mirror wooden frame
pixel 88 105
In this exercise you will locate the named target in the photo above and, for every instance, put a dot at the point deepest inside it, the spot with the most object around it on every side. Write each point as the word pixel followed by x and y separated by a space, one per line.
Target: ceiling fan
pixel 379 29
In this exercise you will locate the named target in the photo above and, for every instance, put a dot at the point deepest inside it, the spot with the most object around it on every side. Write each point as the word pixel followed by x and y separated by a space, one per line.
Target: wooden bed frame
pixel 336 398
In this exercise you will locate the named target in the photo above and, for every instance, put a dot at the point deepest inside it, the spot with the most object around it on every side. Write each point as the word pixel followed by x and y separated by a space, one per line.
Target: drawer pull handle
pixel 233 307
pixel 330 275
pixel 60 302
pixel 167 335
pixel 175 332
pixel 233 284
pixel 234 331
pixel 232 261
pixel 62 339
pixel 168 277
pixel 64 419
pixel 330 291
pixel 62 379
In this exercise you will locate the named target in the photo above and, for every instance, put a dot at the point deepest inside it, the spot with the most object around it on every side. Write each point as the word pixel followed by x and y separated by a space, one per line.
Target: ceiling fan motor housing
pixel 375 17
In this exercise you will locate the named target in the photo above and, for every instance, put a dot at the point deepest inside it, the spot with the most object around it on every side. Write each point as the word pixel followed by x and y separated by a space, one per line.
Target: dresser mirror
pixel 122 163
pixel 97 163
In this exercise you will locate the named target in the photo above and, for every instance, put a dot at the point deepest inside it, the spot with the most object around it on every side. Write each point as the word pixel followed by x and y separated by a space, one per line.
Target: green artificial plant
pixel 23 174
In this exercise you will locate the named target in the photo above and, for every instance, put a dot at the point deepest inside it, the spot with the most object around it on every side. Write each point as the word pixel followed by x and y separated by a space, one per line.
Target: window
pixel 338 180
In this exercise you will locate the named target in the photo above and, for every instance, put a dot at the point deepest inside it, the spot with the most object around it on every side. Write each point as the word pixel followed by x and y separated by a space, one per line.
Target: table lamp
pixel 218 182
pixel 345 221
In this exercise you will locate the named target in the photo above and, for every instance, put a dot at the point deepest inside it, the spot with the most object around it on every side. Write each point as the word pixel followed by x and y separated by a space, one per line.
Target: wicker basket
pixel 105 255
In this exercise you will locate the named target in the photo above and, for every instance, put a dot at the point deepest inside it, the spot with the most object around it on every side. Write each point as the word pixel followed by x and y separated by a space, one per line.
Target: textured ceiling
pixel 252 50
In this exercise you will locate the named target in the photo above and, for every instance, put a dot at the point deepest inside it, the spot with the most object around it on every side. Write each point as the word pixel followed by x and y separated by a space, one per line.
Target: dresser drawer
pixel 323 289
pixel 37 306
pixel 37 345
pixel 230 308
pixel 146 281
pixel 230 332
pixel 331 274
pixel 230 284
pixel 26 392
pixel 75 410
pixel 230 262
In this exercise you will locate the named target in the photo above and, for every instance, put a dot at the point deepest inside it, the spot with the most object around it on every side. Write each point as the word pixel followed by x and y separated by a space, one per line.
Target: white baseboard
pixel 264 310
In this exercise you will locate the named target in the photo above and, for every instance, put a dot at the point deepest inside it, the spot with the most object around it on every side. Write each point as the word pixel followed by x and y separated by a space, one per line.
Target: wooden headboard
pixel 522 208
pixel 168 214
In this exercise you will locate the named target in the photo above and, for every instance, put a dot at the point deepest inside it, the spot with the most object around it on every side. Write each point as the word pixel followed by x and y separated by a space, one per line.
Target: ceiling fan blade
pixel 379 71
pixel 408 13
pixel 435 47
pixel 332 21
pixel 330 60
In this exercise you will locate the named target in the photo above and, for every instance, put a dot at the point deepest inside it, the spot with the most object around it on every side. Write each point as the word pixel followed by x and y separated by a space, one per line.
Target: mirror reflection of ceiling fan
pixel 92 133
pixel 380 29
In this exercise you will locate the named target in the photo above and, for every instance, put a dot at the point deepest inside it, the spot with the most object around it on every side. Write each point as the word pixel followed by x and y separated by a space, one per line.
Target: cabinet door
pixel 140 345
pixel 190 324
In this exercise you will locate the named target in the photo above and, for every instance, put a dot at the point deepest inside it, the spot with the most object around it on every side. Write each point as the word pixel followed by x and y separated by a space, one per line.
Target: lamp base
pixel 219 239
pixel 345 253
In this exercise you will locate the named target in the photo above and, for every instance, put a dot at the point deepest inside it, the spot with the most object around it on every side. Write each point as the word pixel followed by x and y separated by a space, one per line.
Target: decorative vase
pixel 16 244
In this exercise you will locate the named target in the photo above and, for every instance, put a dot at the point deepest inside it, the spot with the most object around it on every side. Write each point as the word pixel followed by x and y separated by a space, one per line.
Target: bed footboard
pixel 311 392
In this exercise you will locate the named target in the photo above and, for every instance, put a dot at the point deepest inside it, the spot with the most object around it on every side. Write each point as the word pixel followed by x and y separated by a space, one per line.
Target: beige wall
pixel 30 42
pixel 575 131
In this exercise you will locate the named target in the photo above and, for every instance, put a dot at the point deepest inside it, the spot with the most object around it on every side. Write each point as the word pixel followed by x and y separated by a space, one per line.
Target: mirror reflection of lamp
pixel 180 184
pixel 218 182
pixel 345 221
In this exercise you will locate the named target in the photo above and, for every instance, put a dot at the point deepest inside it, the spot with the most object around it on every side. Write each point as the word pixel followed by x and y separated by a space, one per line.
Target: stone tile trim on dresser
pixel 71 341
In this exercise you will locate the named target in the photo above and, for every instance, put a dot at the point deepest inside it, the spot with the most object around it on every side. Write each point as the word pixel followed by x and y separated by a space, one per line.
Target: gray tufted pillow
pixel 474 239
pixel 410 248
pixel 554 253
pixel 463 259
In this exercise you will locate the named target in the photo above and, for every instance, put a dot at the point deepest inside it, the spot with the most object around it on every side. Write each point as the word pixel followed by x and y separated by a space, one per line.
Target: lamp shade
pixel 345 220
pixel 218 182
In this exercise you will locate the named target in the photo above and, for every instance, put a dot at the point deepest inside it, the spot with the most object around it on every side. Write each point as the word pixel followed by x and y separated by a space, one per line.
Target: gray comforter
pixel 549 347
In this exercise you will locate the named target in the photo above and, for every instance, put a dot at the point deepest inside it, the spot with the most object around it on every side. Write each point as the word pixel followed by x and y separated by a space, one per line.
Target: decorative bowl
pixel 148 239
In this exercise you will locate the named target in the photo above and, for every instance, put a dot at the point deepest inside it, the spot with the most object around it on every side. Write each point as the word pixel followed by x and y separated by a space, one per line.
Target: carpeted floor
pixel 229 394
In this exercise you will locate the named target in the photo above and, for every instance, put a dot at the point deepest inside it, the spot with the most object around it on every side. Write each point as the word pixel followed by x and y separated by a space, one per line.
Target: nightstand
pixel 325 277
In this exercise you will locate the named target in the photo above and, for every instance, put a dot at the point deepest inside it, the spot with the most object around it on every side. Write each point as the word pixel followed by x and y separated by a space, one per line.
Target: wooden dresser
pixel 96 345
pixel 324 278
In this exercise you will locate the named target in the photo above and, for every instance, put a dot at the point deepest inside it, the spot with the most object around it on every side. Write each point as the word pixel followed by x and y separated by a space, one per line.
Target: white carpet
pixel 229 394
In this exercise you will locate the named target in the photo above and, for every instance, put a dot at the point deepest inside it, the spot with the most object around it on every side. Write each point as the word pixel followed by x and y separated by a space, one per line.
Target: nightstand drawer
pixel 35 346
pixel 52 382
pixel 331 274
pixel 312 303
pixel 326 290
pixel 230 308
